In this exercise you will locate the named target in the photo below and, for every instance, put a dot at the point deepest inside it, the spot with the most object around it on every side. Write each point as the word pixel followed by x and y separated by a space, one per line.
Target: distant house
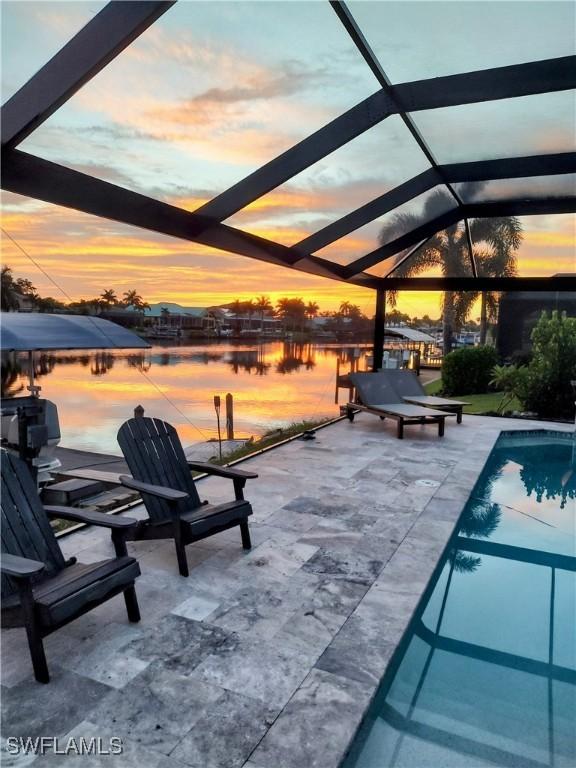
pixel 230 323
pixel 172 317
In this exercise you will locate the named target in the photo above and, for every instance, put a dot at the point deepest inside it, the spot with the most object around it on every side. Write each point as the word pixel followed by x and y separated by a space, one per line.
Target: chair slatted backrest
pixel 26 530
pixel 154 454
pixel 405 382
pixel 374 389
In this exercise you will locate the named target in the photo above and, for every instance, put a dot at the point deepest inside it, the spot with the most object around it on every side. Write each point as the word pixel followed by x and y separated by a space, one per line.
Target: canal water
pixel 274 384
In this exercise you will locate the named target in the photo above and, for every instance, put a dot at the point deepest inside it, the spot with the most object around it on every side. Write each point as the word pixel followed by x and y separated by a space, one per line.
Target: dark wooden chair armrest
pixel 90 517
pixel 237 475
pixel 162 492
pixel 215 469
pixel 20 567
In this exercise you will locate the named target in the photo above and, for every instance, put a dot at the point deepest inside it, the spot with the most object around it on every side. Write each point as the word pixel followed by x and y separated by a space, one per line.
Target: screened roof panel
pixel 528 125
pixel 360 171
pixel 215 104
pixel 417 40
pixel 391 226
pixel 546 249
pixel 206 95
pixel 533 188
pixel 45 28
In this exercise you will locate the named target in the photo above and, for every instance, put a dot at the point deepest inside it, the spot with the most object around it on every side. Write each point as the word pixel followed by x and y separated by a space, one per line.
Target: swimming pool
pixel 486 672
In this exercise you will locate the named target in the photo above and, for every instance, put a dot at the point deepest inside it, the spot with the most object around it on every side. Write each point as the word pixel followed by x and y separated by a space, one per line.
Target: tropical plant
pixel 480 519
pixel 548 390
pixel 352 311
pixel 312 310
pixel 292 311
pixel 134 299
pixel 264 306
pixel 496 241
pixel 511 380
pixel 108 298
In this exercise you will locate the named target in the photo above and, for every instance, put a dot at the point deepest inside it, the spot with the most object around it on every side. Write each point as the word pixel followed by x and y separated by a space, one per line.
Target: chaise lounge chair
pixel 161 473
pixel 375 395
pixel 410 390
pixel 40 589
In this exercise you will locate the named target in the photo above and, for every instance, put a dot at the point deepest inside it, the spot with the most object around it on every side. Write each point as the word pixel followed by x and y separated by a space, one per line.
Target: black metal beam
pixel 510 82
pixel 512 167
pixel 34 177
pixel 563 204
pixel 470 248
pixel 89 51
pixel 379 319
pixel 555 283
pixel 486 85
pixel 370 211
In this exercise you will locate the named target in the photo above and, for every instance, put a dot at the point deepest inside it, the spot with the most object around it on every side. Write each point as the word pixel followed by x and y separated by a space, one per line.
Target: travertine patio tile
pixel 227 734
pixel 31 709
pixel 353 566
pixel 314 729
pixel 261 670
pixel 133 755
pixel 180 644
pixel 156 709
pixel 346 533
pixel 260 610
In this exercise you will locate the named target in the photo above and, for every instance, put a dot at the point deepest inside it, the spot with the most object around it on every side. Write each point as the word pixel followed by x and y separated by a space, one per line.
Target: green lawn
pixel 478 403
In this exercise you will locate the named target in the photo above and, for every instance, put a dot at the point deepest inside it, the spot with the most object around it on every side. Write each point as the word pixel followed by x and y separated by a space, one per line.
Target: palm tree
pixel 108 298
pixel 264 305
pixel 496 241
pixel 345 308
pixel 293 310
pixel 134 299
pixel 312 310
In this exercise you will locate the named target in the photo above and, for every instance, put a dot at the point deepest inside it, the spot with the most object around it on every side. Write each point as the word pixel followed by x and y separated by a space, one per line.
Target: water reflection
pixel 274 384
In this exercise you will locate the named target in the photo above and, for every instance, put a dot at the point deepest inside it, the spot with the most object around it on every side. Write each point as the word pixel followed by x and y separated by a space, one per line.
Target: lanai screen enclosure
pixel 504 177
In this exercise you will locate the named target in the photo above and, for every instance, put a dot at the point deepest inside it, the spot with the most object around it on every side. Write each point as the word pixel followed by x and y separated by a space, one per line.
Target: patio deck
pixel 265 659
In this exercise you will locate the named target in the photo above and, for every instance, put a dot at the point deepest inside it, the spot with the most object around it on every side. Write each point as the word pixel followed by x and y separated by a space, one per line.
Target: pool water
pixel 486 673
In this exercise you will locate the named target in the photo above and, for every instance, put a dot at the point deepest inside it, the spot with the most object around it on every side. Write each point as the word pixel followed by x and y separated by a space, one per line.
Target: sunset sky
pixel 215 89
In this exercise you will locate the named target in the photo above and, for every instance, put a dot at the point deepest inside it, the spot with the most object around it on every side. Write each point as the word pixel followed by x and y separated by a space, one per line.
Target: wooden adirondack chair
pixel 40 589
pixel 162 474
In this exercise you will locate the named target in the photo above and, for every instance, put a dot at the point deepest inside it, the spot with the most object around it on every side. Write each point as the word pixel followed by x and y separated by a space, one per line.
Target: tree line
pixel 15 291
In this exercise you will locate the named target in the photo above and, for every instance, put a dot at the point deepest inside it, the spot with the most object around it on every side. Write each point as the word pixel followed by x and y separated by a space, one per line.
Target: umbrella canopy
pixel 26 332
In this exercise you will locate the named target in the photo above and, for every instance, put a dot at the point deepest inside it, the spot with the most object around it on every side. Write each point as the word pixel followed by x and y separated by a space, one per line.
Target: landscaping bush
pixel 547 390
pixel 468 371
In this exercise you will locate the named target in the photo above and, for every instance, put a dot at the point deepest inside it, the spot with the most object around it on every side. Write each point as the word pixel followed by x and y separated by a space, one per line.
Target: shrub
pixel 548 390
pixel 468 371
